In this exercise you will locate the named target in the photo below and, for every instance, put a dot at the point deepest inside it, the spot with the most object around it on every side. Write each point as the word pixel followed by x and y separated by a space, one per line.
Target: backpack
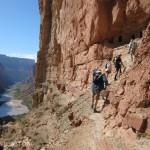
pixel 94 72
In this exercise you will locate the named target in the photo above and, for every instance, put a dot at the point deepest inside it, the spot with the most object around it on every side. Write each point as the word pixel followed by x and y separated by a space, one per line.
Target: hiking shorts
pixel 96 94
pixel 96 91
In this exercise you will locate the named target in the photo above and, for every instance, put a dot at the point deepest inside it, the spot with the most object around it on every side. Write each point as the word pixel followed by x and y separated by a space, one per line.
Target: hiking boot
pixel 95 110
pixel 115 79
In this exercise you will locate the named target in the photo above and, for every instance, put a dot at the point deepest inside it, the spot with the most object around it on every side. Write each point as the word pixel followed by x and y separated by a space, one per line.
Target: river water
pixel 10 106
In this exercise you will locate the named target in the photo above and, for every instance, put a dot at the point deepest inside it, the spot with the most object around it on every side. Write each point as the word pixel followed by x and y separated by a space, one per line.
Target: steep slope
pixel 61 124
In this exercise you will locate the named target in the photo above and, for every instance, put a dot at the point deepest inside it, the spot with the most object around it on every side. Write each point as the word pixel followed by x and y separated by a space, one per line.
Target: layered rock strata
pixel 75 36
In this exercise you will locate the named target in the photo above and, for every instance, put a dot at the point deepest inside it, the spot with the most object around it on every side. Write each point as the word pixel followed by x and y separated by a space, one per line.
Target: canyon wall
pixel 130 100
pixel 75 37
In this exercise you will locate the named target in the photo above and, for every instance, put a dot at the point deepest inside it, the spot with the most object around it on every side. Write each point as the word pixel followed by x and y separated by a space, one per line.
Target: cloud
pixel 24 55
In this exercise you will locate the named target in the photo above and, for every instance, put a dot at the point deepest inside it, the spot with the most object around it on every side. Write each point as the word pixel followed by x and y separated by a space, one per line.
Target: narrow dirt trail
pixel 97 129
pixel 109 141
pixel 93 135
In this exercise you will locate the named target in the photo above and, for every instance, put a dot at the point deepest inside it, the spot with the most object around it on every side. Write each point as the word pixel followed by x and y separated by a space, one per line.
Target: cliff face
pixel 130 100
pixel 45 34
pixel 76 36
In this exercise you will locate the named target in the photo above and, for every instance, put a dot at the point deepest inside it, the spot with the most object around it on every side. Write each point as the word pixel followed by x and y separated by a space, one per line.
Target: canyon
pixel 13 70
pixel 75 38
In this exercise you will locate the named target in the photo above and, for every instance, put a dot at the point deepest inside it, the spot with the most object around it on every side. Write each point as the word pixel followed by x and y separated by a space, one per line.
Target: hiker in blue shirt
pixel 98 84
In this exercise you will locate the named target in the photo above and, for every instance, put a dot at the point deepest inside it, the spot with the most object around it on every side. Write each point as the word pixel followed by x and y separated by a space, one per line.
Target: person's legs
pixel 116 75
pixel 129 50
pixel 120 71
pixel 97 98
pixel 117 70
pixel 93 97
pixel 132 58
pixel 107 74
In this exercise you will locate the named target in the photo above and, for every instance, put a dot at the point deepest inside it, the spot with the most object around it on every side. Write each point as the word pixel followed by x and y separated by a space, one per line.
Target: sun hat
pixel 98 71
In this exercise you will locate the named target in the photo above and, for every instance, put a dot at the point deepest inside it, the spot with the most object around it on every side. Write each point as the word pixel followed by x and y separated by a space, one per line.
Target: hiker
pixel 132 46
pixel 108 67
pixel 98 85
pixel 118 64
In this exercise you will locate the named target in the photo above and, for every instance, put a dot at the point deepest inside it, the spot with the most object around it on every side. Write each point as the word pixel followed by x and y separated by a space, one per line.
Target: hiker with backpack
pixel 108 67
pixel 118 65
pixel 132 46
pixel 98 84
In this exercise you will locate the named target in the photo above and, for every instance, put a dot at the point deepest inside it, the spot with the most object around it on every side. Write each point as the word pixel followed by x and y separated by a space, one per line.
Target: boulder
pixel 137 122
pixel 147 131
pixel 123 107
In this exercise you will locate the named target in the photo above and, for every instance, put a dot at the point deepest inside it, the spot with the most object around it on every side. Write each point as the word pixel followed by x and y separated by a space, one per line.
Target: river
pixel 10 106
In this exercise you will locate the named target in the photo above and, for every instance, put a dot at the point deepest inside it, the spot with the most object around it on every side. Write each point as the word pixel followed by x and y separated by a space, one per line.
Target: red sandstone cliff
pixel 130 100
pixel 77 35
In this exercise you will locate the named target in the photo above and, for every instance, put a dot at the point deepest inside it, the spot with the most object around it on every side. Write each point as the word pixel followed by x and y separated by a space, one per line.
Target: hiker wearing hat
pixel 98 84
pixel 118 65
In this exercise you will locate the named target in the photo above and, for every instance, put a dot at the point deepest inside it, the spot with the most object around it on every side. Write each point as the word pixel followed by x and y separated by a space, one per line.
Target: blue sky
pixel 19 28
